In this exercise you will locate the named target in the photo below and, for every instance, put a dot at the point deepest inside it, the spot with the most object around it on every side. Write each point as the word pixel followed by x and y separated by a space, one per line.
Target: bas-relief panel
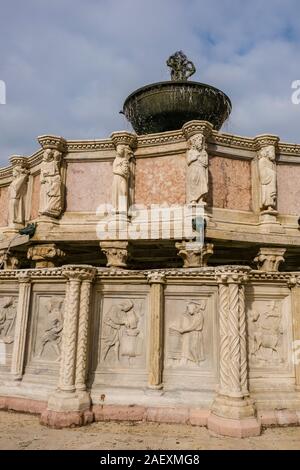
pixel 160 180
pixel 269 331
pixel 122 333
pixel 288 178
pixel 190 338
pixel 3 206
pixel 229 183
pixel 8 311
pixel 45 333
pixel 88 185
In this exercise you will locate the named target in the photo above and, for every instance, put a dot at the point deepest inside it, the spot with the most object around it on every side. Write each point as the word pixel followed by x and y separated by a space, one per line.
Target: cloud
pixel 69 64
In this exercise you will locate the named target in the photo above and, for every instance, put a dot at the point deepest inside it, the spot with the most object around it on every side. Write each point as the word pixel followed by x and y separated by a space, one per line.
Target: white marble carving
pixel 8 310
pixel 121 175
pixel 51 184
pixel 266 330
pixel 51 337
pixel 121 333
pixel 197 170
pixel 186 345
pixel 17 191
pixel 267 177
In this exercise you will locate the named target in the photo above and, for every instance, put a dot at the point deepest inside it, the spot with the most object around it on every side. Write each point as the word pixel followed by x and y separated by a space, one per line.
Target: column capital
pixel 45 255
pixel 197 127
pixel 293 281
pixel 53 142
pixel 232 274
pixel 269 259
pixel 116 253
pixel 24 277
pixel 156 277
pixel 124 138
pixel 264 140
pixel 79 272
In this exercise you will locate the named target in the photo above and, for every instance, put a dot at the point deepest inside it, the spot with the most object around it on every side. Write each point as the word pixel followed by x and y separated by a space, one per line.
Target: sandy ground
pixel 21 431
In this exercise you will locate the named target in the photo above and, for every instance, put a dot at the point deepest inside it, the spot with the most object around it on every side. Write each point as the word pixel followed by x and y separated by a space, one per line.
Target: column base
pixel 233 417
pixel 247 427
pixel 67 410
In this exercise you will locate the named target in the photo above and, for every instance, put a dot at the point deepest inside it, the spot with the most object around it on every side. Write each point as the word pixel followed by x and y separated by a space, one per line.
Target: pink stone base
pixel 70 419
pixel 181 415
pixel 247 427
pixel 23 405
pixel 279 417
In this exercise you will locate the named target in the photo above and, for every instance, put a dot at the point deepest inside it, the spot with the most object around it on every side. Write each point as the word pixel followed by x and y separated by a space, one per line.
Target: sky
pixel 68 65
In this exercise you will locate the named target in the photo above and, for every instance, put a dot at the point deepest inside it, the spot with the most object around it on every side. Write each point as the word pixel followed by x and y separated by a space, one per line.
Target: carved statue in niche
pixel 54 326
pixel 197 170
pixel 121 332
pixel 121 176
pixel 267 177
pixel 17 193
pixel 8 310
pixel 186 338
pixel 51 184
pixel 265 333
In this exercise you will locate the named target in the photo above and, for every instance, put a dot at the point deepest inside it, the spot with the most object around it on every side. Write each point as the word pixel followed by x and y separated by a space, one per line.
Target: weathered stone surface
pixel 230 183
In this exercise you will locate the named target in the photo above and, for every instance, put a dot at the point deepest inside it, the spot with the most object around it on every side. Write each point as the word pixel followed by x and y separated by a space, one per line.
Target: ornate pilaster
pixel 17 363
pixel 116 253
pixel 269 259
pixel 70 403
pixel 156 281
pixel 45 256
pixel 294 285
pixel 194 254
pixel 83 324
pixel 233 412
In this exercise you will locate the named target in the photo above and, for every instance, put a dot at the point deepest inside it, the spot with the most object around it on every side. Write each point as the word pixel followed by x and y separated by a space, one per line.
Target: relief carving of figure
pixel 54 326
pixel 197 170
pixel 17 193
pixel 267 177
pixel 51 184
pixel 186 338
pixel 121 176
pixel 121 331
pixel 266 333
pixel 8 310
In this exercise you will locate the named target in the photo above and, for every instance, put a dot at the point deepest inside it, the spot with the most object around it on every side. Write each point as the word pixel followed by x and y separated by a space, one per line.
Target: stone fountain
pixel 166 106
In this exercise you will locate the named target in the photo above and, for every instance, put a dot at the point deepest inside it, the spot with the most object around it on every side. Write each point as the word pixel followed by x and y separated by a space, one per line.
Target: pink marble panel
pixel 3 206
pixel 230 183
pixel 88 185
pixel 288 182
pixel 35 199
pixel 160 180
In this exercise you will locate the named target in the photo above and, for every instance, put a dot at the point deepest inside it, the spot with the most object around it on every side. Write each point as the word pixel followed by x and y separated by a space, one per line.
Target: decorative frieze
pixel 269 259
